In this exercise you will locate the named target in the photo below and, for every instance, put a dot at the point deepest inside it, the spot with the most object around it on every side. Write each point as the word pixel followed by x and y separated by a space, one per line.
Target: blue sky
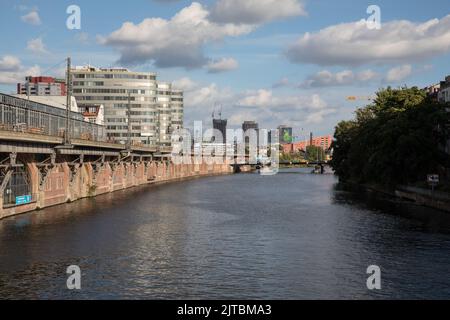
pixel 255 60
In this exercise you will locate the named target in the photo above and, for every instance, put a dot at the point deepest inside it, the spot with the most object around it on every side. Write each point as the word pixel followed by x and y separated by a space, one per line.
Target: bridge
pixel 308 163
pixel 39 169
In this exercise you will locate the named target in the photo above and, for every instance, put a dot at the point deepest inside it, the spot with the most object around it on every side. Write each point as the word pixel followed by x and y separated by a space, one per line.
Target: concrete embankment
pixel 423 197
pixel 417 196
pixel 65 182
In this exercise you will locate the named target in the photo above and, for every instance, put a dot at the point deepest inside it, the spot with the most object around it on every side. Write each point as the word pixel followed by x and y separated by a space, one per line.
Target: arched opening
pixel 18 189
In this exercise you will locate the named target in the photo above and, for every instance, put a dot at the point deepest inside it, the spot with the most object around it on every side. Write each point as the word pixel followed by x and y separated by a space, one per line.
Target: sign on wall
pixel 23 199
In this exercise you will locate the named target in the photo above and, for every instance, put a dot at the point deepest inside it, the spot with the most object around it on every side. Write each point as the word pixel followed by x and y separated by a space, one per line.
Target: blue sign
pixel 23 199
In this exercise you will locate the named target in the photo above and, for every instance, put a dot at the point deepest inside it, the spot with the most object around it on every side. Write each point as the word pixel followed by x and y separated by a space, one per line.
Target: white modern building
pixel 154 109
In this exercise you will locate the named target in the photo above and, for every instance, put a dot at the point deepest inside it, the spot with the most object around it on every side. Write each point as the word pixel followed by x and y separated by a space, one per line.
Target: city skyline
pixel 259 64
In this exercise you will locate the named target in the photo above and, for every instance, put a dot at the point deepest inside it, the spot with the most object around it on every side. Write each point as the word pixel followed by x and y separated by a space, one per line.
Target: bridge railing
pixel 20 115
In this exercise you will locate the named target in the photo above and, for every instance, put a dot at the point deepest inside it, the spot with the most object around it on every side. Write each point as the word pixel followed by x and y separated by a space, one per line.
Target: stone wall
pixel 63 182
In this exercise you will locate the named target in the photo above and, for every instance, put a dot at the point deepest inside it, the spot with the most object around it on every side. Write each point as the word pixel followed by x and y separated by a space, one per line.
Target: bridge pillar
pixel 118 177
pixel 53 185
pixel 102 178
pixel 140 178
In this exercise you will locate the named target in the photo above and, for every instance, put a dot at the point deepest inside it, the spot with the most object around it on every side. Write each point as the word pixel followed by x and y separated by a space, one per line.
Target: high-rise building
pixel 249 125
pixel 42 86
pixel 154 109
pixel 221 125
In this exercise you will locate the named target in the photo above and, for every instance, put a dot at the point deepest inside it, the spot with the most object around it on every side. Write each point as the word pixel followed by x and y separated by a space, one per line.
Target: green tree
pixel 398 139
pixel 315 154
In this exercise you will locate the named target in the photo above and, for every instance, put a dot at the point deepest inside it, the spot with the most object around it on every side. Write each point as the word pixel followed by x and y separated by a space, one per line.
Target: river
pixel 288 236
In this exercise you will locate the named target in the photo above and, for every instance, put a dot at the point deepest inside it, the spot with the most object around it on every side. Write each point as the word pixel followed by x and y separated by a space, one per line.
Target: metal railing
pixel 20 115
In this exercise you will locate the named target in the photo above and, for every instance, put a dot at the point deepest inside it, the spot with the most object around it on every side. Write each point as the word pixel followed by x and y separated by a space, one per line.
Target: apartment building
pixel 42 86
pixel 154 109
pixel 323 142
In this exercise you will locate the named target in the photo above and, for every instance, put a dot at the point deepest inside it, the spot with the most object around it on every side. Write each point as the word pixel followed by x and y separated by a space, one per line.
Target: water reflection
pixel 289 236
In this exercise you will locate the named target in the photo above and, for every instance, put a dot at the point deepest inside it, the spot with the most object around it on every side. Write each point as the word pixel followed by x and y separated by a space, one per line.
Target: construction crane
pixel 360 98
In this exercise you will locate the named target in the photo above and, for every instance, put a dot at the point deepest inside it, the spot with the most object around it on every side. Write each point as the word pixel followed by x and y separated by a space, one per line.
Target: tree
pixel 395 140
pixel 315 154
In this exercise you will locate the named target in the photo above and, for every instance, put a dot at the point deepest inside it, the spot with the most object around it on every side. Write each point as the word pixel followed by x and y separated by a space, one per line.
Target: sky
pixel 290 62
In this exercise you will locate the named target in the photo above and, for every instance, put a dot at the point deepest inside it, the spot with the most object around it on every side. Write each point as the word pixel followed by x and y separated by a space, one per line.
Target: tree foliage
pixel 397 139
pixel 315 154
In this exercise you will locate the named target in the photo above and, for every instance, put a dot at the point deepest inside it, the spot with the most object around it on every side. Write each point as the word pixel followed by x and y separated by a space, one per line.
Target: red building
pixel 323 142
pixel 42 86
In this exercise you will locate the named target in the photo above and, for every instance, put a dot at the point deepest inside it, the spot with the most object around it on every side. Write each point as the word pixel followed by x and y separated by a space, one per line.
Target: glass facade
pixel 155 110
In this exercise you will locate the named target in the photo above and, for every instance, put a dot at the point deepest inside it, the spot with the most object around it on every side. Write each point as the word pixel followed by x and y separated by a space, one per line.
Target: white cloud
pixel 82 38
pixel 9 64
pixel 399 73
pixel 263 106
pixel 326 78
pixel 12 71
pixel 177 42
pixel 222 65
pixel 32 18
pixel 255 11
pixel 36 46
pixel 318 116
pixel 185 84
pixel 367 75
pixel 265 98
pixel 355 44
pixel 287 109
pixel 284 82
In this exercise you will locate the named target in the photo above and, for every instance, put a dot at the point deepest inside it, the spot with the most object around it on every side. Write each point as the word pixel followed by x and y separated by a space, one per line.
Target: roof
pixel 54 101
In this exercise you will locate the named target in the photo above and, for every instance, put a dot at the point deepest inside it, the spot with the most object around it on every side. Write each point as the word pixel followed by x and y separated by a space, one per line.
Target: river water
pixel 289 236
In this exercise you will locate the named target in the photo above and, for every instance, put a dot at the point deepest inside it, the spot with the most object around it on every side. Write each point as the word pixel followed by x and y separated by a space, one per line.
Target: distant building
pixel 215 149
pixel 285 133
pixel 42 86
pixel 221 125
pixel 250 125
pixel 323 142
pixel 93 114
pixel 433 91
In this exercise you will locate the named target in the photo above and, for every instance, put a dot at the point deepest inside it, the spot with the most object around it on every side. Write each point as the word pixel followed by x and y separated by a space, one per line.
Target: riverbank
pixel 63 183
pixel 418 196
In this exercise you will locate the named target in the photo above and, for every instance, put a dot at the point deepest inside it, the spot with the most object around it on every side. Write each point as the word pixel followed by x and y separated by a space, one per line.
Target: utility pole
pixel 129 121
pixel 68 103
pixel 28 88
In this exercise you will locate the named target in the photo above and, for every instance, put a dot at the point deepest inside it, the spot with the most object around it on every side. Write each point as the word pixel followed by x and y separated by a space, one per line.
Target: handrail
pixel 21 115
